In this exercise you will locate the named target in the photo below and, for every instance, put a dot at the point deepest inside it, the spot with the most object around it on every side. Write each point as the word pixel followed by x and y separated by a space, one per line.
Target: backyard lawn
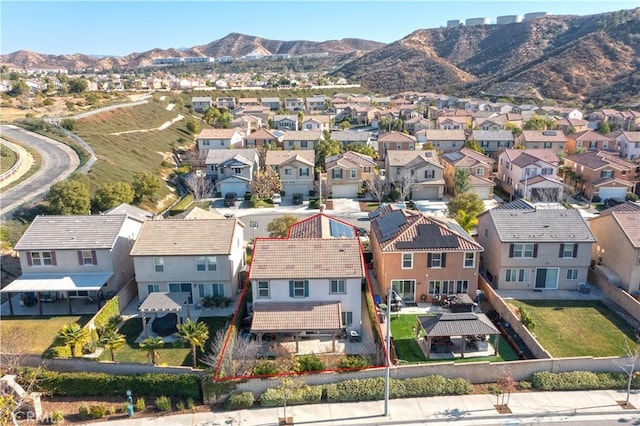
pixel 34 335
pixel 409 352
pixel 176 353
pixel 578 328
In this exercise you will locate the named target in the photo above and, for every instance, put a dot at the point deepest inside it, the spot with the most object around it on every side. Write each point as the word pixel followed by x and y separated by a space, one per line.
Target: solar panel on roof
pixel 341 230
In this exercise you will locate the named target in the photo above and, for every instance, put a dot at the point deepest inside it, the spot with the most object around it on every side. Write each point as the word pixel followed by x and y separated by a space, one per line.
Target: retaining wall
pixel 18 163
pixel 623 299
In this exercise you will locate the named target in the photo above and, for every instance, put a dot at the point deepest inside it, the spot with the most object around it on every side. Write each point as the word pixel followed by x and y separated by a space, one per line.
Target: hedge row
pixel 102 384
pixel 109 310
pixel 581 380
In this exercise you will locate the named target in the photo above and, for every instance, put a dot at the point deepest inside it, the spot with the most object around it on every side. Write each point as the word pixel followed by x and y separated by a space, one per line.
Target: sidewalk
pixel 599 407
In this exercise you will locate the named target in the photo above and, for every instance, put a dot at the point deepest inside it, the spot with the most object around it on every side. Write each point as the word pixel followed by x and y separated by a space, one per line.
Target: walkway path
pixel 27 162
pixel 162 127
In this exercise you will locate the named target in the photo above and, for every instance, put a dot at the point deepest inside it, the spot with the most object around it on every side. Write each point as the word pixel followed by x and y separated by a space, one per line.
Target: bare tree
pixel 506 385
pixel 378 187
pixel 630 364
pixel 196 159
pixel 238 358
pixel 266 182
pixel 199 184
pixel 404 182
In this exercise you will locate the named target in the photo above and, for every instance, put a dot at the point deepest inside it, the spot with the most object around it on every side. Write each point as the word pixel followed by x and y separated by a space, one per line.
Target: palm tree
pixel 113 341
pixel 73 335
pixel 151 345
pixel 195 334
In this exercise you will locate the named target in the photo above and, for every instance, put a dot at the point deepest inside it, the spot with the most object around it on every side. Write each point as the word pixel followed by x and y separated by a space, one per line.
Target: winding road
pixel 58 162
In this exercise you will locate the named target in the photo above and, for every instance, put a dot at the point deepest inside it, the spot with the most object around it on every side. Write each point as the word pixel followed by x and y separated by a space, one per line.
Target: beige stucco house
pixel 219 139
pixel 601 174
pixel 479 166
pixel 295 169
pixel 347 172
pixel 419 169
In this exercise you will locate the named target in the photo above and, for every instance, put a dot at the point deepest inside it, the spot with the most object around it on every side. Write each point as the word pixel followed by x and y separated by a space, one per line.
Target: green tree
pixel 266 182
pixel 70 197
pixel 195 334
pixel 466 221
pixel 604 128
pixel 78 85
pixel 145 185
pixel 326 149
pixel 344 124
pixel 113 341
pixel 193 126
pixel 151 345
pixel 361 148
pixel 111 195
pixel 73 335
pixel 474 145
pixel 18 88
pixel 517 131
pixel 461 181
pixel 69 124
pixel 279 227
pixel 469 202
pixel 538 123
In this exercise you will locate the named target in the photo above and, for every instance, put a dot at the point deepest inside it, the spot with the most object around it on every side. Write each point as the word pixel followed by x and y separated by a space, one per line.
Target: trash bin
pixel 479 296
pixel 130 410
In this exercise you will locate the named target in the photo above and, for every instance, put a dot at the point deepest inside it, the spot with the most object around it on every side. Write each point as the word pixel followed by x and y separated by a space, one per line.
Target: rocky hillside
pixel 592 58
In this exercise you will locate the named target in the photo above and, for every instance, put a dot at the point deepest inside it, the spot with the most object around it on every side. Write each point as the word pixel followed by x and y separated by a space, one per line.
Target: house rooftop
pixel 217 133
pixel 349 159
pixel 321 226
pixel 279 158
pixel 133 212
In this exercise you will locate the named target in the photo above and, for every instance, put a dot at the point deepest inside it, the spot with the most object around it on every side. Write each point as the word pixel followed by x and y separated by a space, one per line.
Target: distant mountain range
pixel 593 58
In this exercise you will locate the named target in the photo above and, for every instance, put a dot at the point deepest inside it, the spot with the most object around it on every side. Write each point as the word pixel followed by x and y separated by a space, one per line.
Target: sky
pixel 120 27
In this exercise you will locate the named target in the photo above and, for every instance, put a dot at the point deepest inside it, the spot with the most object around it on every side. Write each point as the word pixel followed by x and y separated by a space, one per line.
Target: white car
pixel 276 199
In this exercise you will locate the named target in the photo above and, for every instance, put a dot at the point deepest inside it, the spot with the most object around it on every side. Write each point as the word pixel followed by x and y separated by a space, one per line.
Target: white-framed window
pixel 479 171
pixel 434 287
pixel 448 287
pixel 288 172
pixel 523 250
pixel 435 260
pixel 153 288
pixel 367 169
pixel 347 319
pixel 336 173
pixel 206 263
pixel 462 286
pixel 158 264
pixel 41 258
pixel 469 260
pixel 518 275
pixel 567 250
pixel 572 273
pixel 304 171
pixel 87 257
pixel 606 173
pixel 337 287
pixel 263 290
pixel 298 288
pixel 407 260
pixel 353 174
pixel 546 171
pixel 214 290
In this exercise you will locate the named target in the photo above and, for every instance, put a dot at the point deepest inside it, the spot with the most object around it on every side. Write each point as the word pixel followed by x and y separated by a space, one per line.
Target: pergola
pixel 55 283
pixel 156 303
pixel 298 317
pixel 466 325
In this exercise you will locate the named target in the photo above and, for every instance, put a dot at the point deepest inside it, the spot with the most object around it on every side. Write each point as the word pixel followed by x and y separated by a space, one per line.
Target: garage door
pixel 345 191
pixel 617 193
pixel 293 188
pixel 238 188
pixel 483 192
pixel 425 193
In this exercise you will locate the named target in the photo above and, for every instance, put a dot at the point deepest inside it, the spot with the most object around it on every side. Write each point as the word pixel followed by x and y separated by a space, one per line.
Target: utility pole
pixel 388 356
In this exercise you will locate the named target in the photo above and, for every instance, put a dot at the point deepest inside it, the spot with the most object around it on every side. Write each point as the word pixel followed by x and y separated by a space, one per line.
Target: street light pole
pixel 388 349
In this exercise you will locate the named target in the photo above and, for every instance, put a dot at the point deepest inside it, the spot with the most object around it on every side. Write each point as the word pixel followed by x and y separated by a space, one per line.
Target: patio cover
pixel 164 302
pixel 275 317
pixel 462 324
pixel 58 282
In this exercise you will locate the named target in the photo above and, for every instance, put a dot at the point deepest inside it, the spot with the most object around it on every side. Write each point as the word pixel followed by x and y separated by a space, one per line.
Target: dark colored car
pixel 230 199
pixel 297 198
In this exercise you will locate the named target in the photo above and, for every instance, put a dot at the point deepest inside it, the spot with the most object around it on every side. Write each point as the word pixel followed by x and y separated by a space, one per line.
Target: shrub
pixel 112 410
pixel 526 319
pixel 163 403
pixel 265 368
pixel 141 405
pixel 191 404
pixel 311 362
pixel 307 395
pixel 632 197
pixel 253 201
pixel 83 412
pixel 580 380
pixel 247 196
pixel 355 390
pixel 58 352
pixel 57 416
pixel 180 405
pixel 353 363
pixel 524 385
pixel 239 401
pixel 426 386
pixel 98 411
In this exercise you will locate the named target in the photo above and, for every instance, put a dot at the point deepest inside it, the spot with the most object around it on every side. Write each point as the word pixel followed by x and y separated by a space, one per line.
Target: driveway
pixel 58 162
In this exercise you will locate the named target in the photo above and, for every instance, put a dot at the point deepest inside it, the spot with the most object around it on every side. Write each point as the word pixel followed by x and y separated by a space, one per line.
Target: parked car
pixel 276 199
pixel 230 199
pixel 297 199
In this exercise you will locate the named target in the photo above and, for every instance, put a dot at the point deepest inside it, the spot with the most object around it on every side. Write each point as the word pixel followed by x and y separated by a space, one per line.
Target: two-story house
pixel 301 139
pixel 316 122
pixel 530 174
pixel 414 125
pixel 316 104
pixel 422 257
pixel 262 138
pixel 294 104
pixel 479 166
pixel 201 103
pixel 273 103
pixel 347 137
pixel 197 257
pixel 572 125
pixel 590 141
pixel 75 257
pixel 601 174
pixel 285 122
pixel 248 123
pixel 228 102
pixel 232 169
pixel 395 141
pixel 453 123
pixel 528 248
pixel 421 170
pixel 543 139
pixel 629 143
pixel 618 249
pixel 446 140
pixel 219 139
pixel 347 172
pixel 295 169
pixel 492 123
pixel 493 141
pixel 320 296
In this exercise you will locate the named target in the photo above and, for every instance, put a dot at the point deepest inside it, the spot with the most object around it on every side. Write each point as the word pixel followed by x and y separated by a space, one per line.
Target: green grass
pixel 182 205
pixel 409 352
pixel 578 328
pixel 34 335
pixel 8 159
pixel 172 354
pixel 37 163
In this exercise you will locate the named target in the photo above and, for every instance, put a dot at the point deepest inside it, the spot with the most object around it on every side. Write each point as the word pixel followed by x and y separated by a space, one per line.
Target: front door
pixel 181 288
pixel 546 278
pixel 406 289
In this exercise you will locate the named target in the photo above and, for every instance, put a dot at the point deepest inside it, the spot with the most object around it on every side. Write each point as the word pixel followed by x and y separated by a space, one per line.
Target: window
pixel 448 287
pixel 86 257
pixel 367 169
pixel 469 260
pixel 288 172
pixel 479 171
pixel 158 264
pixel 398 146
pixel 434 287
pixel 486 232
pixel 337 287
pixel 436 260
pixel 547 145
pixel 572 273
pixel 347 319
pixel 336 173
pixel 304 144
pixel 206 263
pixel 153 288
pixel 41 258
pixel 407 260
pixel 211 290
pixel 546 171
pixel 606 173
pixel 527 250
pixel 462 286
pixel 429 174
pixel 304 171
pixel 568 250
pixel 298 288
pixel 263 290
pixel 353 174
pixel 518 275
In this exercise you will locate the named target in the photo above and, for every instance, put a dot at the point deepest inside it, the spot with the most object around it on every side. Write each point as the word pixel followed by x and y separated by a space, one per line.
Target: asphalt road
pixel 58 162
